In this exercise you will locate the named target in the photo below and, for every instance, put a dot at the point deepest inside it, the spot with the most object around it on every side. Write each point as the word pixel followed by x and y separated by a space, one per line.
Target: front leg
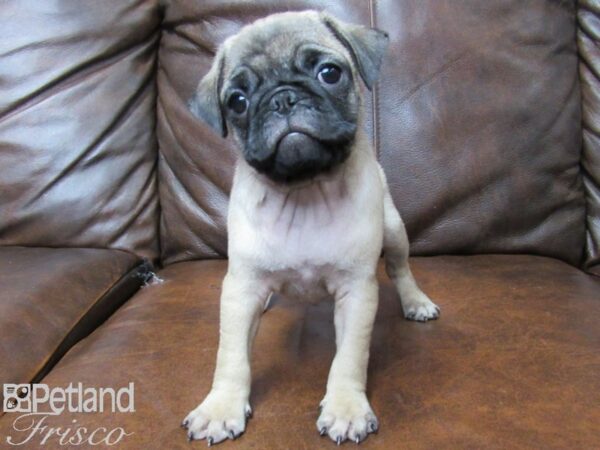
pixel 223 412
pixel 346 413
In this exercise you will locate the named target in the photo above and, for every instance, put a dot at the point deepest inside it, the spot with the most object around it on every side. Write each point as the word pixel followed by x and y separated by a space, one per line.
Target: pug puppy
pixel 310 209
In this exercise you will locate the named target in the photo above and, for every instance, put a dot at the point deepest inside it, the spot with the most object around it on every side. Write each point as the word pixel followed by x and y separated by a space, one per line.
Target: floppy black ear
pixel 366 45
pixel 205 103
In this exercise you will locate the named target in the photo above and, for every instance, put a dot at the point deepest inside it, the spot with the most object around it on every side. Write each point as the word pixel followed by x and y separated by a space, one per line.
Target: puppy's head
pixel 287 86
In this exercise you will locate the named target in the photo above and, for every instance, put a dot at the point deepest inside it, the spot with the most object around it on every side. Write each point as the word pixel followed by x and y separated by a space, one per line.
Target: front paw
pixel 346 415
pixel 417 306
pixel 222 415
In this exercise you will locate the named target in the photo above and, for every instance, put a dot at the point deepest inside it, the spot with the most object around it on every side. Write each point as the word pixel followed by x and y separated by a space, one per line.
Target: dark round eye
pixel 238 103
pixel 329 73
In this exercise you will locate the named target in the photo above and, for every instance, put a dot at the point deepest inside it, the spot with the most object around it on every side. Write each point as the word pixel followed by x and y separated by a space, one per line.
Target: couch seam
pixel 156 170
pixel 585 257
pixel 375 91
pixel 132 272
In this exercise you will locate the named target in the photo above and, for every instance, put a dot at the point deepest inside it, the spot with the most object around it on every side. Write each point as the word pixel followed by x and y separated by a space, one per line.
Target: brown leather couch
pixel 486 120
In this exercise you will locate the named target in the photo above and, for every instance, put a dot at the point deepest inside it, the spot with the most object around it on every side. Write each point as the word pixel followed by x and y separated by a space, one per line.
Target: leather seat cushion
pixel 512 362
pixel 50 298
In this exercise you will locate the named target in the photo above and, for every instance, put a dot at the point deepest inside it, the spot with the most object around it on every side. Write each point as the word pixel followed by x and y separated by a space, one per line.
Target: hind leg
pixel 415 304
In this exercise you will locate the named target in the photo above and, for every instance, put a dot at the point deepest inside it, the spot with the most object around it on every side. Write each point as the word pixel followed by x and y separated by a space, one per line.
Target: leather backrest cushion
pixel 480 123
pixel 77 141
pixel 476 117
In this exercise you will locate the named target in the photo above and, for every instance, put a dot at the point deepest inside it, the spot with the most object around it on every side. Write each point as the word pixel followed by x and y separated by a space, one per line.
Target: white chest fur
pixel 301 240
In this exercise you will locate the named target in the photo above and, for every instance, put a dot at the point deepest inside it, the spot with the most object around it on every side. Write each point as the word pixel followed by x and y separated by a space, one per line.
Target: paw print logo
pixel 16 397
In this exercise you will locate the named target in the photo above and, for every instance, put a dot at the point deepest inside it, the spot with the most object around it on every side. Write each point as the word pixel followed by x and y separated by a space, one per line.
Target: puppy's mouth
pixel 298 156
pixel 296 148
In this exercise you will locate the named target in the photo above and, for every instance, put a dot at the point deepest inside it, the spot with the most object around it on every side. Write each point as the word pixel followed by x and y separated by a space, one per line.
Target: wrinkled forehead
pixel 276 39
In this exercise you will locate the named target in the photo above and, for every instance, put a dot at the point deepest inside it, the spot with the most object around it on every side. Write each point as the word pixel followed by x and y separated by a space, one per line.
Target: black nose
pixel 283 101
